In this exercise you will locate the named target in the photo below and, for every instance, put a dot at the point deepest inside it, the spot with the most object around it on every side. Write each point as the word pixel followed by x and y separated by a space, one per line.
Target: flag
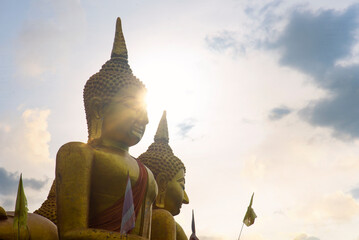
pixel 128 211
pixel 20 218
pixel 250 214
pixel 193 235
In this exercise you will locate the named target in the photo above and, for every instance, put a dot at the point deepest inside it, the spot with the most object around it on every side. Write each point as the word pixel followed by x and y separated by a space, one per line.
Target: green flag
pixel 250 214
pixel 20 218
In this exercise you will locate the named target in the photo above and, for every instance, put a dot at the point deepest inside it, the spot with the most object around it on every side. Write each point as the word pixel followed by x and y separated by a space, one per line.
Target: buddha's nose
pixel 185 198
pixel 144 117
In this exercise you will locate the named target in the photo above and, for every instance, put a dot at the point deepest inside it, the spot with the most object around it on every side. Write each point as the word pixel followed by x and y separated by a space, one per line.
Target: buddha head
pixel 114 99
pixel 168 170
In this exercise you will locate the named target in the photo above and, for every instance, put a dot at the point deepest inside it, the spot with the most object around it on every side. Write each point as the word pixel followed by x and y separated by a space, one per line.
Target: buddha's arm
pixel 180 234
pixel 73 182
pixel 163 225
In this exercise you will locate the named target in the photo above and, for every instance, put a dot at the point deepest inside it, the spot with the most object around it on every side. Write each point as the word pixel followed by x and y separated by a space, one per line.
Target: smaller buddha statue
pixel 91 177
pixel 169 172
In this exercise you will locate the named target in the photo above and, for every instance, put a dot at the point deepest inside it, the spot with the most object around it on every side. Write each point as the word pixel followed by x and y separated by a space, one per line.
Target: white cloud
pixel 209 238
pixel 25 149
pixel 294 153
pixel 304 236
pixel 304 173
pixel 252 236
pixel 5 127
pixel 27 141
pixel 337 207
pixel 47 38
pixel 254 168
pixel 36 135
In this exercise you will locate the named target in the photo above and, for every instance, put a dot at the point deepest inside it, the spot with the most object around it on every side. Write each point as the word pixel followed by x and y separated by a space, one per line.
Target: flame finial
pixel 119 49
pixel 162 130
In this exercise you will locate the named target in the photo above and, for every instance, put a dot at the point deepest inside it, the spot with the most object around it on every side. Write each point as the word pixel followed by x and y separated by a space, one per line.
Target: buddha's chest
pixel 109 174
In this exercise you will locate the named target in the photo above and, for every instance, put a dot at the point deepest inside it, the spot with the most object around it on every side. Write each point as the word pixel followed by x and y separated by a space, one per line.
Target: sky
pixel 261 96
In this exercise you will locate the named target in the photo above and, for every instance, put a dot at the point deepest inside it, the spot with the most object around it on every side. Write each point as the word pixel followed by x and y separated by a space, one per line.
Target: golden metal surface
pixel 38 227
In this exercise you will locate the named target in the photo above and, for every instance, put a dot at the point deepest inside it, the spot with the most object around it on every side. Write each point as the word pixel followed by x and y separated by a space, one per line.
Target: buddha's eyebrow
pixel 124 98
pixel 128 97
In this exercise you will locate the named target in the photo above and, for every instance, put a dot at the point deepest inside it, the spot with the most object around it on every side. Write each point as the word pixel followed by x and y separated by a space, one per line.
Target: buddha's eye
pixel 132 105
pixel 129 104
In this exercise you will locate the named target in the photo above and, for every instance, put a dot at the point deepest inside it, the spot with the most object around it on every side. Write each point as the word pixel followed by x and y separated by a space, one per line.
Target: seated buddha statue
pixel 91 177
pixel 169 172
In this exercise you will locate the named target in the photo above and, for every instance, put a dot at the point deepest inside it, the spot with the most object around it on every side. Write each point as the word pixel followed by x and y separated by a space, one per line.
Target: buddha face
pixel 125 117
pixel 175 193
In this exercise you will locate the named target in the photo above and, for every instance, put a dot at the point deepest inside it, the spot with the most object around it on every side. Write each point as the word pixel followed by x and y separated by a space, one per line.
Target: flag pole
pixel 239 237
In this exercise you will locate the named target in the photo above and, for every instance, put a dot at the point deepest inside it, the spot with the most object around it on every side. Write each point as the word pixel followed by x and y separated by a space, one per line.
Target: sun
pixel 170 87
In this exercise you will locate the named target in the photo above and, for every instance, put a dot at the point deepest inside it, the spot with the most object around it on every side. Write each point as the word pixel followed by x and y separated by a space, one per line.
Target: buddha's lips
pixel 139 129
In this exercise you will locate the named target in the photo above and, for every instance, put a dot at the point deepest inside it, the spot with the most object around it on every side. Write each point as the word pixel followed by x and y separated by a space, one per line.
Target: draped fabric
pixel 128 211
pixel 110 219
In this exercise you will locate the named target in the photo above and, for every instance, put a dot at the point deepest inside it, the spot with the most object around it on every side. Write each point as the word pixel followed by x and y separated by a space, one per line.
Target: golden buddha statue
pixel 169 173
pixel 91 178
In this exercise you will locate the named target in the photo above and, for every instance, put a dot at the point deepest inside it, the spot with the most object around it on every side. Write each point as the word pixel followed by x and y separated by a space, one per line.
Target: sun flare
pixel 171 89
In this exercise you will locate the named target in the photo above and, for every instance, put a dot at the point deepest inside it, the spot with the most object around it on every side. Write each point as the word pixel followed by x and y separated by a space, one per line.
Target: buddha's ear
pixel 162 181
pixel 96 107
pixel 96 113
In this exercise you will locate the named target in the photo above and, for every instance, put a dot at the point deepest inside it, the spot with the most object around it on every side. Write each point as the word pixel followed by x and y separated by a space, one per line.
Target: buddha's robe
pixel 110 219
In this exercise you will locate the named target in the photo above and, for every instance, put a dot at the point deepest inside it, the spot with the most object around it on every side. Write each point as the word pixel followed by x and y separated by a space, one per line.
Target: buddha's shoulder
pixel 75 150
pixel 163 215
pixel 181 235
pixel 163 224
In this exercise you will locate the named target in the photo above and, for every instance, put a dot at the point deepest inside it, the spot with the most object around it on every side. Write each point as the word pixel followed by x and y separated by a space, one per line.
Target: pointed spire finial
pixel 250 204
pixel 119 49
pixel 193 235
pixel 162 130
pixel 193 224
